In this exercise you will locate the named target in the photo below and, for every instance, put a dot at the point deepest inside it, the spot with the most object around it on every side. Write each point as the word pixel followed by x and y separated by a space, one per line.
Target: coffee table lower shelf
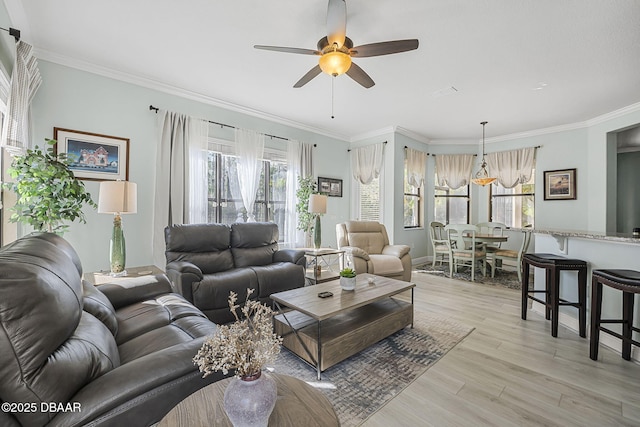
pixel 343 335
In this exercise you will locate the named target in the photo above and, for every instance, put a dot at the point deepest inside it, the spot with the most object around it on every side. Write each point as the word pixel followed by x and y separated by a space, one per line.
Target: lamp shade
pixel 118 197
pixel 318 203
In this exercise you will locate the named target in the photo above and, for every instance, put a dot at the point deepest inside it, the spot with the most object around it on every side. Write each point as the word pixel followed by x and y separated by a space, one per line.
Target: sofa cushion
pixel 99 306
pixel 253 243
pixel 367 235
pixel 204 245
pixel 142 317
pixel 180 331
pixel 386 265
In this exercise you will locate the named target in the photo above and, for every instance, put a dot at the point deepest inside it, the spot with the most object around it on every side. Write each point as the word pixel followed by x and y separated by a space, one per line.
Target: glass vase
pixel 249 401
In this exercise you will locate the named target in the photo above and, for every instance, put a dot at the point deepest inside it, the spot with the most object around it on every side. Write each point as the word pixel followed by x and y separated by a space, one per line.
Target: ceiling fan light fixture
pixel 335 63
pixel 482 177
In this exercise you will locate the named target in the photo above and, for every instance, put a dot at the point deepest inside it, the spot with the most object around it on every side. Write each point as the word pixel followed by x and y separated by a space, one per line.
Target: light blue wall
pixel 83 101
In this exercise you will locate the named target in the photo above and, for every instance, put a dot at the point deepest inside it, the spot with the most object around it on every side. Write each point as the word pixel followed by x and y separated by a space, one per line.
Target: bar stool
pixel 553 265
pixel 628 281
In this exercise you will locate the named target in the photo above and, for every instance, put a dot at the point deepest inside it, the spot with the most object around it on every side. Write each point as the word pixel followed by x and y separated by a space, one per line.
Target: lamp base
pixel 317 234
pixel 117 256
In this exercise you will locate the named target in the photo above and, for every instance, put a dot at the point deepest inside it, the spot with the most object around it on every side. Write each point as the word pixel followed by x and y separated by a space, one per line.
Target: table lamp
pixel 318 206
pixel 117 197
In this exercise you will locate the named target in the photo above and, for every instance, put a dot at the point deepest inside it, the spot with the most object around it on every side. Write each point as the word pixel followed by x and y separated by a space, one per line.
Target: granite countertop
pixel 595 235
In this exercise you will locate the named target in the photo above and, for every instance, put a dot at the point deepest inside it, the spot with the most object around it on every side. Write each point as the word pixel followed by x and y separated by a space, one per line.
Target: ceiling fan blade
pixel 383 48
pixel 358 74
pixel 336 22
pixel 289 49
pixel 307 77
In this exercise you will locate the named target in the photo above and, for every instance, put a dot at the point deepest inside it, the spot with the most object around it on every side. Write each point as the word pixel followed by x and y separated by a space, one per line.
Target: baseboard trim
pixel 570 322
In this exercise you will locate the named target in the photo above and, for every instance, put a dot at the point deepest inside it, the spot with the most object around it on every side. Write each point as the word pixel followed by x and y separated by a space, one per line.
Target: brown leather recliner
pixel 367 242
pixel 72 354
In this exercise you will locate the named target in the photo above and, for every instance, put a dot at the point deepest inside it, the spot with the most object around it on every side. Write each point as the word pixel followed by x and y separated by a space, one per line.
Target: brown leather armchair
pixel 368 244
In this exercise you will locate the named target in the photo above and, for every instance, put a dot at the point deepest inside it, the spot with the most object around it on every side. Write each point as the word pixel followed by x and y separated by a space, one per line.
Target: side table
pixel 322 269
pixel 98 278
pixel 298 404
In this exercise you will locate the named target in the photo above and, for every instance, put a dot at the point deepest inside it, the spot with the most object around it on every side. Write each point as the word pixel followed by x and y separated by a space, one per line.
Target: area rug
pixel 362 384
pixel 505 278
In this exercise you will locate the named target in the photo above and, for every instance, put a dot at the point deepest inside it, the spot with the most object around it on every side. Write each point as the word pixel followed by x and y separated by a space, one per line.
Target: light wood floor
pixel 511 372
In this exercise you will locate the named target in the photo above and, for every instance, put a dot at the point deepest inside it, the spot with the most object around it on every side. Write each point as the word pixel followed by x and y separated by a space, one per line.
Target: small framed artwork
pixel 329 186
pixel 560 184
pixel 95 157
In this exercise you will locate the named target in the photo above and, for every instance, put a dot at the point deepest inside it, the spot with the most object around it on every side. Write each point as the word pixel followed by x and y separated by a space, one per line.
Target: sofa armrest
pixel 295 256
pixel 183 275
pixel 396 250
pixel 123 293
pixel 356 252
pixel 141 391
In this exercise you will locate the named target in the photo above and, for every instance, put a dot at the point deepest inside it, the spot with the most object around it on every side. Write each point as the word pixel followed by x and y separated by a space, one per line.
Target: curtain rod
pixel 475 155
pixel 152 108
pixel 349 149
pixel 428 154
pixel 12 32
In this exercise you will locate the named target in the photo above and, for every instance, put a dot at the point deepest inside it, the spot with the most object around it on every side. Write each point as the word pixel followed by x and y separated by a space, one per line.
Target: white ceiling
pixel 522 65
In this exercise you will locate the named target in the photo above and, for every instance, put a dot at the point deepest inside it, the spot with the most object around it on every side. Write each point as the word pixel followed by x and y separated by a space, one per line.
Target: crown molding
pixel 373 134
pixel 413 135
pixel 568 127
pixel 149 83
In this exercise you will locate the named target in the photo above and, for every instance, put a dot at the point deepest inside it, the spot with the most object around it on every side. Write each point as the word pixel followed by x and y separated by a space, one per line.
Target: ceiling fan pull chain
pixel 333 78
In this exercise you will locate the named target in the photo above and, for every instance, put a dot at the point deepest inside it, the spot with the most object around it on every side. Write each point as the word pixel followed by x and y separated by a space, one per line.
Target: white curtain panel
pixel 299 163
pixel 416 167
pixel 512 167
pixel 25 81
pixel 454 170
pixel 294 149
pixel 198 193
pixel 249 149
pixel 181 187
pixel 366 162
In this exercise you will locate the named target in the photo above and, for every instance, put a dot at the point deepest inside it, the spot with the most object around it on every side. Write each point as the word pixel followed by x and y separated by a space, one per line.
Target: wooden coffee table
pixel 326 331
pixel 298 404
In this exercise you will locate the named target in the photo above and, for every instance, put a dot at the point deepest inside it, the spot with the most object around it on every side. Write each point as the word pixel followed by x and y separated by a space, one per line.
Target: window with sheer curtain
pixel 225 200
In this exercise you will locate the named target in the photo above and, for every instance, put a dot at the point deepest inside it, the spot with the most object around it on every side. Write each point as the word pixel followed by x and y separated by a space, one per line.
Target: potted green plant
pixel 48 192
pixel 348 279
pixel 306 220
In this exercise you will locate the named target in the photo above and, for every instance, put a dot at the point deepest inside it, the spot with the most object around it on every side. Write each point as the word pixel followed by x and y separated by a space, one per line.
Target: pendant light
pixel 482 176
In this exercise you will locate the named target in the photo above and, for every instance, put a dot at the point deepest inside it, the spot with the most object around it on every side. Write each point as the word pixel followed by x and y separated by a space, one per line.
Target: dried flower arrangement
pixel 246 345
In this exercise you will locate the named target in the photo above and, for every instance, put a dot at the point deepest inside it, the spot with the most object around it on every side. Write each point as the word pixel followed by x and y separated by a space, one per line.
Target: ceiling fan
pixel 336 49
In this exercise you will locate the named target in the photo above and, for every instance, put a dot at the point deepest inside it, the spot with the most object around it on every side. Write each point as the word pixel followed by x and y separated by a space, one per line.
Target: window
pixel 225 201
pixel 451 206
pixel 369 206
pixel 513 206
pixel 411 204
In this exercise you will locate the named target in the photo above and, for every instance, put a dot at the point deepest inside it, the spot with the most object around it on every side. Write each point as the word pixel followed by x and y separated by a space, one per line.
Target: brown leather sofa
pixel 207 261
pixel 72 354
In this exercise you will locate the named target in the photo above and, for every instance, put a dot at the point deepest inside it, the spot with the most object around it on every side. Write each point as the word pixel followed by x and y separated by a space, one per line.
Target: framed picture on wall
pixel 329 186
pixel 95 157
pixel 560 184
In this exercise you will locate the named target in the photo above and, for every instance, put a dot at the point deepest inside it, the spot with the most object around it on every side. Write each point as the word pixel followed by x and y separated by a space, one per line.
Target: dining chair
pixel 508 254
pixel 439 242
pixel 464 249
pixel 494 229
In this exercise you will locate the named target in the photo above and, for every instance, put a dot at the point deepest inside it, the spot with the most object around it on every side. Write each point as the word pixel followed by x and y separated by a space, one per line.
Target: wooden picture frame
pixel 330 186
pixel 96 157
pixel 560 184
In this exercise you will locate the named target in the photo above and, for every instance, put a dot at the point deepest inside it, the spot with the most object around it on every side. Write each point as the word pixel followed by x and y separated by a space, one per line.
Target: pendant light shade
pixel 482 177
